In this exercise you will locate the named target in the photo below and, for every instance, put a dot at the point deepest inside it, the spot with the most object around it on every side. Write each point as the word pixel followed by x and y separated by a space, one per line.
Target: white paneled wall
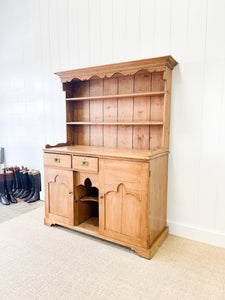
pixel 40 37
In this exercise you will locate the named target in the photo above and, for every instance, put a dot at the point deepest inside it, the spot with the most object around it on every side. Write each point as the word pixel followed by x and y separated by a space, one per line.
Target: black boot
pixel 37 187
pixel 17 184
pixel 26 189
pixel 14 182
pixel 3 199
pixel 24 184
pixel 18 180
pixel 9 184
pixel 31 184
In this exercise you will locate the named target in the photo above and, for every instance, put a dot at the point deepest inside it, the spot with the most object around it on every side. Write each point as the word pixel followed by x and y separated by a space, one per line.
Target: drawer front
pixel 85 163
pixel 57 160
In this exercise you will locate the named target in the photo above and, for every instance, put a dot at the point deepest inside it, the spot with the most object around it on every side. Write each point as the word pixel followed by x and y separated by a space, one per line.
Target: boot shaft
pixel 17 178
pixel 26 180
pixel 9 178
pixel 37 187
pixel 2 183
pixel 37 180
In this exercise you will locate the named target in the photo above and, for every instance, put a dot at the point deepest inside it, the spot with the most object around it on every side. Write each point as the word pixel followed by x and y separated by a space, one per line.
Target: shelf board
pixel 116 96
pixel 116 123
pixel 89 198
pixel 91 224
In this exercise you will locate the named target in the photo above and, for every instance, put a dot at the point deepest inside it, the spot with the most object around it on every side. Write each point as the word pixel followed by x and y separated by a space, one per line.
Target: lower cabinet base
pixel 90 228
pixel 149 253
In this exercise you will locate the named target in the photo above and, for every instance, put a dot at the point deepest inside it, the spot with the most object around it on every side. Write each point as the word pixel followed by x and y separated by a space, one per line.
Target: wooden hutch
pixel 110 179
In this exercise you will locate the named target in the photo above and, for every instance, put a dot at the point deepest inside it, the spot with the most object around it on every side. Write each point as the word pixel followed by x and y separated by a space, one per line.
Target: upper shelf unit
pixel 124 105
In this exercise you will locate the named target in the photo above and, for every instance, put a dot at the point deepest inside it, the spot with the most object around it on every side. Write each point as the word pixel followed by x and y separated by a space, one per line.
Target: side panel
pixel 167 100
pixel 158 196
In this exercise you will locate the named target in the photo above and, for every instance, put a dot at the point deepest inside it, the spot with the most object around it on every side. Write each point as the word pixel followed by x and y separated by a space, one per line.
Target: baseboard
pixel 197 234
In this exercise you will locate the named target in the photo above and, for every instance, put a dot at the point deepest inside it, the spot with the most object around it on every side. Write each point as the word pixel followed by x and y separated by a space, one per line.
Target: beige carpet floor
pixel 40 262
pixel 8 212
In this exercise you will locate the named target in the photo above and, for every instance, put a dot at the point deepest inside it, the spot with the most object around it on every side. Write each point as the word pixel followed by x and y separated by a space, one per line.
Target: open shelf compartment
pixel 118 112
pixel 86 197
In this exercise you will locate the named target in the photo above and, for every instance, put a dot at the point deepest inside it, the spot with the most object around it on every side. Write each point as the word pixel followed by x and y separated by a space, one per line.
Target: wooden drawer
pixel 85 163
pixel 57 160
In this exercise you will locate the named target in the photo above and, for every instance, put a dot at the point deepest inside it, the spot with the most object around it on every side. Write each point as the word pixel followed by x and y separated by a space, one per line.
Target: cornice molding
pixel 124 68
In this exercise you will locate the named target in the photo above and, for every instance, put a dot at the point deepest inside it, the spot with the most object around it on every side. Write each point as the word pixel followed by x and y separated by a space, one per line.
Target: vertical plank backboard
pixel 71 112
pixel 157 102
pixel 81 89
pixel 82 112
pixel 125 112
pixel 110 112
pixel 141 138
pixel 72 135
pixel 96 112
pixel 156 132
pixel 83 134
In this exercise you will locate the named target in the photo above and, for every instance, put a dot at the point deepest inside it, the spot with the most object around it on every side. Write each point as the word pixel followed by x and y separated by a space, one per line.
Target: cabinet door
pixel 59 196
pixel 123 204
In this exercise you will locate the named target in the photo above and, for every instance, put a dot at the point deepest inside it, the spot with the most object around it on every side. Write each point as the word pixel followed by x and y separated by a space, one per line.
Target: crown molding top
pixel 124 68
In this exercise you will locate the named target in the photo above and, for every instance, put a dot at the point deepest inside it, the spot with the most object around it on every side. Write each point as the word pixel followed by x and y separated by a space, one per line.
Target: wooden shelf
pixel 90 225
pixel 116 96
pixel 116 123
pixel 89 198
